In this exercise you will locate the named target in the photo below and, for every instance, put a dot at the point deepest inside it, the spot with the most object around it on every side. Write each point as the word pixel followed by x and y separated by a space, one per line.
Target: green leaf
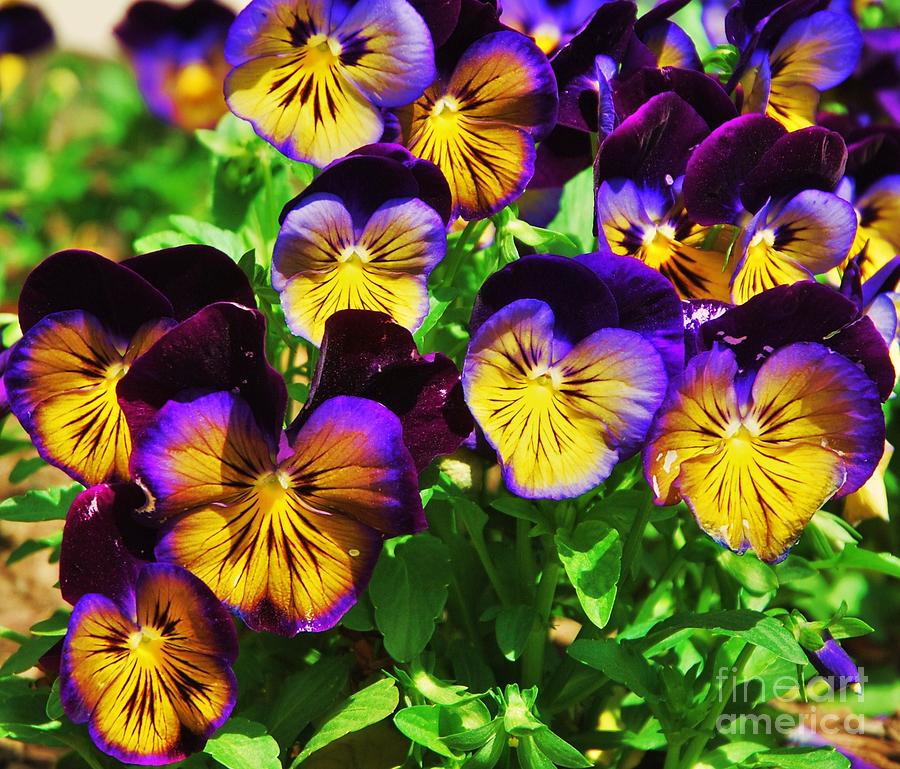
pixel 422 725
pixel 32 546
pixel 409 590
pixel 752 574
pixel 530 755
pixel 542 240
pixel 488 756
pixel 55 625
pixel 25 468
pixel 306 695
pixel 243 744
pixel 54 709
pixel 855 557
pixel 512 628
pixel 559 751
pixel 28 654
pixel 473 739
pixel 619 662
pixel 753 626
pixel 576 210
pixel 48 505
pixel 849 627
pixel 798 758
pixel 368 706
pixel 592 557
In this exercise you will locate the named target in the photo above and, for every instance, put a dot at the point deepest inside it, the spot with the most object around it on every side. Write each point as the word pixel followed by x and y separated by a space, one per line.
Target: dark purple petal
pixel 148 22
pixel 366 354
pixel 222 347
pixel 580 300
pixel 23 29
pixel 696 312
pixel 699 90
pixel 647 303
pixel 834 664
pixel 873 153
pixel 433 186
pixel 103 545
pixel 476 19
pixel 441 17
pixel 652 144
pixel 719 166
pixel 811 158
pixel 398 175
pixel 191 277
pixel 563 154
pixel 802 312
pixel 82 280
pixel 607 34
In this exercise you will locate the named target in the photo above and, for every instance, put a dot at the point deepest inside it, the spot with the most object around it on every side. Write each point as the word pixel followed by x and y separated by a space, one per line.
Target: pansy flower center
pixel 196 82
pixel 354 257
pixel 547 37
pixel 656 245
pixel 445 114
pixel 322 52
pixel 147 645
pixel 272 489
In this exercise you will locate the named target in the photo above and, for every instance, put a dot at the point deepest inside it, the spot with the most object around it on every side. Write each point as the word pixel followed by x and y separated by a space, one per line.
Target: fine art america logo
pixel 827 707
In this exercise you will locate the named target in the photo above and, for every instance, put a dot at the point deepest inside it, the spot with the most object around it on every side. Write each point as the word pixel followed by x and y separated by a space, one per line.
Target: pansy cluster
pixel 734 327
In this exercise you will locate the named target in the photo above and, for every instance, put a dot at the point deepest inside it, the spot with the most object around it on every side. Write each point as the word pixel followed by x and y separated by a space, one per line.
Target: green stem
pixel 455 258
pixel 696 746
pixel 487 563
pixel 533 655
pixel 634 540
pixel 524 560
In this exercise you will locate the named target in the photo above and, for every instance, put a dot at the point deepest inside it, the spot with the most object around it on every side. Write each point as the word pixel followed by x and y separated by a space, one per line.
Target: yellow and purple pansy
pixel 779 412
pixel 567 366
pixel 178 55
pixel 778 187
pixel 550 23
pixel 348 244
pixel 285 530
pixel 790 56
pixel 150 671
pixel 86 321
pixel 24 30
pixel 494 97
pixel 639 168
pixel 312 76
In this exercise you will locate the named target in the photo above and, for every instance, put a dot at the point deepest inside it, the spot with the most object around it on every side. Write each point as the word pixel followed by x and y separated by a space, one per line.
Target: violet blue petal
pixel 834 664
pixel 811 158
pixel 104 546
pixel 886 279
pixel 720 165
pixel 580 300
pixel 222 347
pixel 829 43
pixel 653 144
pixel 192 277
pixel 82 280
pixel 647 303
pixel 803 312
